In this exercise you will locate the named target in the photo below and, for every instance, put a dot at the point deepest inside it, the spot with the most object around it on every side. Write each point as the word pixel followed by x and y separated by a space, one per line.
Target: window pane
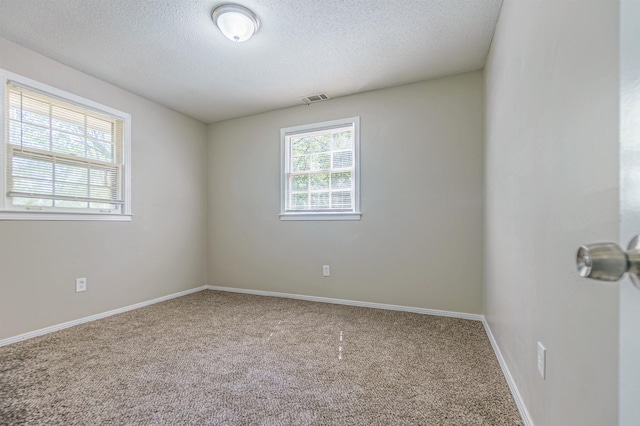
pixel 71 204
pixel 99 129
pixel 32 110
pixel 343 140
pixel 66 143
pixel 101 192
pixel 300 183
pixel 299 201
pixel 104 177
pixel 34 137
pixel 341 180
pixel 15 134
pixel 67 120
pixel 14 112
pixel 72 190
pixel 102 151
pixel 35 202
pixel 103 206
pixel 71 173
pixel 320 200
pixel 342 159
pixel 15 106
pixel 32 186
pixel 32 168
pixel 320 161
pixel 301 164
pixel 341 200
pixel 299 146
pixel 319 181
pixel 320 143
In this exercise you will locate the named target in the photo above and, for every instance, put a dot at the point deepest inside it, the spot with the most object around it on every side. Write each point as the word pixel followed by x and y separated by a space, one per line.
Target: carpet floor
pixel 234 359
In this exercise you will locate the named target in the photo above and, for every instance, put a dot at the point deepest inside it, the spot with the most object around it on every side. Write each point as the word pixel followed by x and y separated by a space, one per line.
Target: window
pixel 64 157
pixel 320 171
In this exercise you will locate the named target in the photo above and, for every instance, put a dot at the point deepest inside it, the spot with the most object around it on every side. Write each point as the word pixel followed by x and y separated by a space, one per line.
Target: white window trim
pixel 12 213
pixel 319 215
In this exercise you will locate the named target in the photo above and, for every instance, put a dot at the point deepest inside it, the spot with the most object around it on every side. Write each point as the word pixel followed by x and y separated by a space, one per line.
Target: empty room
pixel 416 212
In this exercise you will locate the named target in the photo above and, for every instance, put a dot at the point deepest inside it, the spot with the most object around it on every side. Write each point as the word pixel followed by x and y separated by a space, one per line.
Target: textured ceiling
pixel 171 52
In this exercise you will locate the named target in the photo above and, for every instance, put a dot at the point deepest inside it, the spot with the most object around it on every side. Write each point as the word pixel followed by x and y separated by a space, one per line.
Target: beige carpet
pixel 231 359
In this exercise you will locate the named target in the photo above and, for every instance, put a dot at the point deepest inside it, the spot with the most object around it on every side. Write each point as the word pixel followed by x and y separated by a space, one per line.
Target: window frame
pixel 8 211
pixel 285 135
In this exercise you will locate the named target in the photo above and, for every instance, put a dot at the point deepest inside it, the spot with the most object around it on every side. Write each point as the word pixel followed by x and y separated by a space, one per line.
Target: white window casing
pixel 63 157
pixel 320 171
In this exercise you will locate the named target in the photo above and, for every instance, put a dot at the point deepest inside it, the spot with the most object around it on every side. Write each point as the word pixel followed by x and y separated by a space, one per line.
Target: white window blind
pixel 320 173
pixel 61 155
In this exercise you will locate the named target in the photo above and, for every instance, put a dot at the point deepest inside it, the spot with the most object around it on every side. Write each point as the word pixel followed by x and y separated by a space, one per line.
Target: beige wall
pixel 551 186
pixel 419 240
pixel 162 251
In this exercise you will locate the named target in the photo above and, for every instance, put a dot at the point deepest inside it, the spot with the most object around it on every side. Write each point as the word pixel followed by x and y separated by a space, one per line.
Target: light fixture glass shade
pixel 236 22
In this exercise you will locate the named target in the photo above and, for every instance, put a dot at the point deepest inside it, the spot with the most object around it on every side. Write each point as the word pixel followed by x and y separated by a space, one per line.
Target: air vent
pixel 312 99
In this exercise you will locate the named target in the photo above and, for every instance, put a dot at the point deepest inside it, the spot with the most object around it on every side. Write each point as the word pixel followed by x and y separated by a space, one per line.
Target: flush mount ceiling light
pixel 236 22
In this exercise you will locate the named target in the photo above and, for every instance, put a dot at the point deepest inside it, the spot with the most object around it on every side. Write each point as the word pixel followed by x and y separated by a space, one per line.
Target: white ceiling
pixel 171 52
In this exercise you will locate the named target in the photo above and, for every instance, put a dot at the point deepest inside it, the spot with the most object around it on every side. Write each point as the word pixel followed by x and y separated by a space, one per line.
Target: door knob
pixel 609 262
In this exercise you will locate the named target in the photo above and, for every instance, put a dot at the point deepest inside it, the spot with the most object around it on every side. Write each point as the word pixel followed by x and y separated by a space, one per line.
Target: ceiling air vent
pixel 312 99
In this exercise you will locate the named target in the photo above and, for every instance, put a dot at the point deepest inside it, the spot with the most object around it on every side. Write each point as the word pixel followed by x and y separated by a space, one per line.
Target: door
pixel 608 261
pixel 629 384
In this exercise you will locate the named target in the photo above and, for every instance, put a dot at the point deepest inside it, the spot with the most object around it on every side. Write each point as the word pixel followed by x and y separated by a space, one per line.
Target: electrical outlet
pixel 326 271
pixel 542 360
pixel 81 285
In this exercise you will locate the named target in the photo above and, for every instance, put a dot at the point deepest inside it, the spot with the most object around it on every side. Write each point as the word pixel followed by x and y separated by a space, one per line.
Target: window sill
pixel 44 216
pixel 320 216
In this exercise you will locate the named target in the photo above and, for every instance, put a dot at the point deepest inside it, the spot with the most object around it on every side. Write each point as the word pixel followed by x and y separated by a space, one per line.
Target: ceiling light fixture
pixel 236 22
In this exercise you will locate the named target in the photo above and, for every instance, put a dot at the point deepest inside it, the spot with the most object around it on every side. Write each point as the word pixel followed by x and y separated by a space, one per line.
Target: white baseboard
pixel 524 413
pixel 473 317
pixel 68 324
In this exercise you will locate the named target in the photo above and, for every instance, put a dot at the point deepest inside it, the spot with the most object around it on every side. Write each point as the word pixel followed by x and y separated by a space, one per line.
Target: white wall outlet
pixel 81 284
pixel 326 271
pixel 542 359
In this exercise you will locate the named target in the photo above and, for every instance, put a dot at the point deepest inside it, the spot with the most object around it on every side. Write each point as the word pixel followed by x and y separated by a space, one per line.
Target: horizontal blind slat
pixel 37 95
pixel 58 157
pixel 63 197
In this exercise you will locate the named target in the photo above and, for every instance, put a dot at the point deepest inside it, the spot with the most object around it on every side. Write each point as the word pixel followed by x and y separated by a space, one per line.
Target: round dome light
pixel 236 22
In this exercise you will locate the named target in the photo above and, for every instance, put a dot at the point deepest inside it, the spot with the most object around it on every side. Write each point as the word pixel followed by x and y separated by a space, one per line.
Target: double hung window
pixel 64 157
pixel 320 171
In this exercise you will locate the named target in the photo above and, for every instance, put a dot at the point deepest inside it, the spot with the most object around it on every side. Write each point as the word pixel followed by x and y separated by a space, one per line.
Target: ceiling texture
pixel 171 52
